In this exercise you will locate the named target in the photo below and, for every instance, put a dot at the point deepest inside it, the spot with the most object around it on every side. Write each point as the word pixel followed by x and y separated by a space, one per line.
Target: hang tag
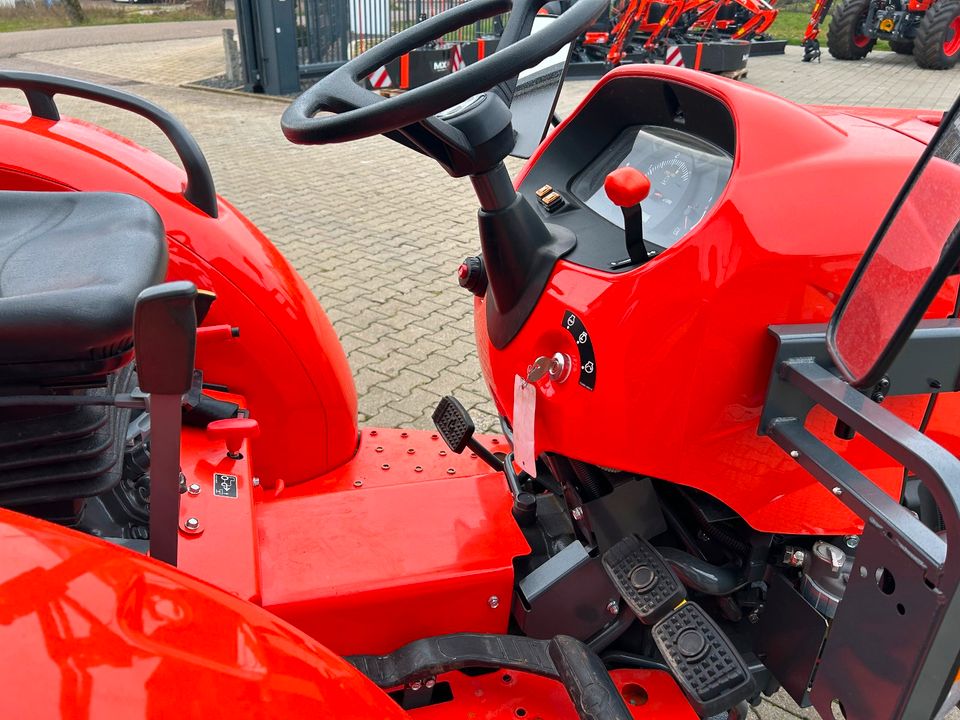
pixel 524 418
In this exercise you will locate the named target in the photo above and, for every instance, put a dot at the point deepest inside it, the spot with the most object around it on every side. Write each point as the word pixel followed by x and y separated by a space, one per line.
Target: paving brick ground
pixel 376 230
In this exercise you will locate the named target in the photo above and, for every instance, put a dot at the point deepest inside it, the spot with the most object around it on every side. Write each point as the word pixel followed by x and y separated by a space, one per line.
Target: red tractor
pixel 729 429
pixel 927 29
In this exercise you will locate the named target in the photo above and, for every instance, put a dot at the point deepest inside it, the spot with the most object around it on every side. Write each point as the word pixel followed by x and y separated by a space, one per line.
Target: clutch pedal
pixel 704 662
pixel 456 427
pixel 643 578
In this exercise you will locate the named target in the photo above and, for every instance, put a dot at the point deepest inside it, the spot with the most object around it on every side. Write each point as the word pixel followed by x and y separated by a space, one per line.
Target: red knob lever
pixel 233 432
pixel 626 186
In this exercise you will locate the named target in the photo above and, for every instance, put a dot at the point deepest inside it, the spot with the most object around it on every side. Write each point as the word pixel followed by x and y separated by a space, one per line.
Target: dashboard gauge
pixel 670 173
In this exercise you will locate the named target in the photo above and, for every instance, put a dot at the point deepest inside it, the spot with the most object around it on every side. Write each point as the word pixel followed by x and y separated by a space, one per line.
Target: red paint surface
pixel 508 695
pixel 93 631
pixel 287 362
pixel 371 558
pixel 682 349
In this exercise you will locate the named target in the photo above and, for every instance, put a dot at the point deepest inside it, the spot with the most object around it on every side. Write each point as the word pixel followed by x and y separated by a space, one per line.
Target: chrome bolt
pixel 577 513
pixel 494 602
pixel 256 482
pixel 192 524
pixel 794 454
pixel 613 607
pixel 838 491
pixel 193 489
pixel 794 557
pixel 852 541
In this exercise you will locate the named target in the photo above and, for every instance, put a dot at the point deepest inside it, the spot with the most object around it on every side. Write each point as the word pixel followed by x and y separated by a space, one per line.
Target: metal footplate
pixel 709 670
pixel 563 658
pixel 641 575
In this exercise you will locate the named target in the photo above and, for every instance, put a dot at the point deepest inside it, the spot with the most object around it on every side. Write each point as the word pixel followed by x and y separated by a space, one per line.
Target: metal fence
pixel 330 32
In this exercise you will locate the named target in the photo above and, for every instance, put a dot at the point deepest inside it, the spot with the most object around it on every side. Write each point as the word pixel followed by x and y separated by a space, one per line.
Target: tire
pixel 937 45
pixel 844 40
pixel 902 47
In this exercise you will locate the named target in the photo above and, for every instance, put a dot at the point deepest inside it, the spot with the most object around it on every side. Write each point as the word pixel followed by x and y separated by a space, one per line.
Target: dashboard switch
pixel 552 201
pixel 544 191
pixel 473 276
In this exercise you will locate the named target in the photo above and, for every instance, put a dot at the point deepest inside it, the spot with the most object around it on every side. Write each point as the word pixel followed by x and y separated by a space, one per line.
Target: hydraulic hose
pixel 702 576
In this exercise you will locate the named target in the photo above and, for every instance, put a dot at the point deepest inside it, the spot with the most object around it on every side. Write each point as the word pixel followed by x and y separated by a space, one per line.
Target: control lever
pixel 626 187
pixel 165 340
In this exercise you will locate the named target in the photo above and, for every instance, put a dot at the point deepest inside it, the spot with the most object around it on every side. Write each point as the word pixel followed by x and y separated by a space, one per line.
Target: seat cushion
pixel 71 267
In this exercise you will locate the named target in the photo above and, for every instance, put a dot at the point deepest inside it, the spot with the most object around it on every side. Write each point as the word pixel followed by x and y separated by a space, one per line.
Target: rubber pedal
pixel 643 578
pixel 454 423
pixel 704 662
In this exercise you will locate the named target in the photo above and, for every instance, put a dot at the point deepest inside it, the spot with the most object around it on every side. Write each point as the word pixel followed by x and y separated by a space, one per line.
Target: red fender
pixel 287 362
pixel 101 632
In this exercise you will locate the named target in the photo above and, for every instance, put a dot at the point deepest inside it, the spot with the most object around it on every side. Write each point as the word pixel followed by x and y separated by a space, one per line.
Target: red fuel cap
pixel 233 432
pixel 626 186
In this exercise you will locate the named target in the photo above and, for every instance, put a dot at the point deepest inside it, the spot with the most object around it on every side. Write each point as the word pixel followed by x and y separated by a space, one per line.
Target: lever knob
pixel 233 432
pixel 626 187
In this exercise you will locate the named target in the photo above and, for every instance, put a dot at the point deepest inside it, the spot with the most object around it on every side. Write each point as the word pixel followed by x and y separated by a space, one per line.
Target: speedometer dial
pixel 668 178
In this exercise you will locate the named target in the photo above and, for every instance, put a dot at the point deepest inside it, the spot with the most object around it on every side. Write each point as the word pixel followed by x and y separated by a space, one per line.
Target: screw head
pixel 256 482
pixel 385 466
pixel 192 523
pixel 193 489
pixel 613 607
pixel 451 471
pixel 794 454
pixel 577 513
pixel 852 541
pixel 838 491
pixel 493 602
pixel 358 483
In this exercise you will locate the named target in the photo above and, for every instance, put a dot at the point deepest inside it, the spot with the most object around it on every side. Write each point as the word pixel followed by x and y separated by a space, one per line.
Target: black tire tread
pixel 928 45
pixel 843 26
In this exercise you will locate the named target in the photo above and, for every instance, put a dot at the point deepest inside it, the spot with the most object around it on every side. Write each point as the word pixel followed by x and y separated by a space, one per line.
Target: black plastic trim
pixel 40 90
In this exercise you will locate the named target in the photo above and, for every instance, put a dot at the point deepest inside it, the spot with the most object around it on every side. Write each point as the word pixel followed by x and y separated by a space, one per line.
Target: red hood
pixel 917 124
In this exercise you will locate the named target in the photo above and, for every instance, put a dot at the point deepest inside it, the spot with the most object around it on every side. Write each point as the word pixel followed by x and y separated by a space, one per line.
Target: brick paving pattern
pixel 376 230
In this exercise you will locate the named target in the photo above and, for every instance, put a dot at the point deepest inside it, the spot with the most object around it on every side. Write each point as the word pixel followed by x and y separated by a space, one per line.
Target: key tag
pixel 524 415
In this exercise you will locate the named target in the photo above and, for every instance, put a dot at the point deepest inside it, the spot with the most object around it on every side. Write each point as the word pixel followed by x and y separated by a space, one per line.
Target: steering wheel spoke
pixel 360 112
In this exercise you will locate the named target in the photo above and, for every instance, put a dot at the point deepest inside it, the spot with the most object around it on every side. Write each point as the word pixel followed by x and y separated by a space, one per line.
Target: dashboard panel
pixel 681 138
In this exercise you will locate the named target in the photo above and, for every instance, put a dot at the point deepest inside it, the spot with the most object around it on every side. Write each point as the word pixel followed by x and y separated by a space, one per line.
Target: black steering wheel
pixel 410 118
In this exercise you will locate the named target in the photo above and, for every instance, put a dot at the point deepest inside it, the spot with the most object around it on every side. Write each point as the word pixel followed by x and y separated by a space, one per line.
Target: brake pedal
pixel 456 427
pixel 643 578
pixel 704 662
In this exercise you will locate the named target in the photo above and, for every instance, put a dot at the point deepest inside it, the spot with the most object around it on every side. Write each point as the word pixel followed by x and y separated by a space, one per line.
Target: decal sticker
pixel 588 361
pixel 225 485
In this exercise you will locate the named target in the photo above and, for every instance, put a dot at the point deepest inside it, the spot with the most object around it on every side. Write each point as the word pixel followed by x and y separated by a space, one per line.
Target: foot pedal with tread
pixel 703 661
pixel 643 578
pixel 454 423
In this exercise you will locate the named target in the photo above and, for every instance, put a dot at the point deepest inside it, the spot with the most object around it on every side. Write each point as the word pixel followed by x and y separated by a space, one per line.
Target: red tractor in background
pixel 645 26
pixel 927 29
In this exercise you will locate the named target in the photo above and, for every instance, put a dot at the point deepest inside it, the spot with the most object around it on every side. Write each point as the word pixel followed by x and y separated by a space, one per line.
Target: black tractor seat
pixel 71 267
